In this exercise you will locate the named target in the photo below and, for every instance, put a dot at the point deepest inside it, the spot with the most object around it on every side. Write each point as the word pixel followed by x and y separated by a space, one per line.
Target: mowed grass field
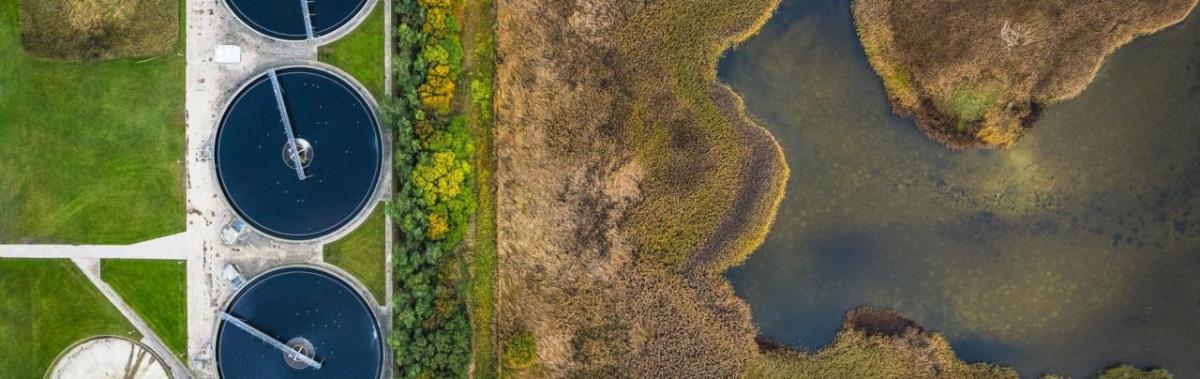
pixel 360 53
pixel 90 152
pixel 157 291
pixel 48 305
pixel 363 253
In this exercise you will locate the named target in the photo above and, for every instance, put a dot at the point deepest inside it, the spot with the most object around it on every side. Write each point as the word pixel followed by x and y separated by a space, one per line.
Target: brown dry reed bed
pixel 90 30
pixel 979 73
pixel 628 180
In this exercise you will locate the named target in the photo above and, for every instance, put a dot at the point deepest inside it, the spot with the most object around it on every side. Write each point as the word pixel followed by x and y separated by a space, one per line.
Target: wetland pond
pixel 1075 250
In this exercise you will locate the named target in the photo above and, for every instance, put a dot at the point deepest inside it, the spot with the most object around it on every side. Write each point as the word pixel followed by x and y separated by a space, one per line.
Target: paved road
pixel 169 247
pixel 91 269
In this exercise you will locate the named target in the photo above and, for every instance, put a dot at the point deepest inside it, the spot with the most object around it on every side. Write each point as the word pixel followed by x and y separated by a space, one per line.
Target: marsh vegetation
pixel 618 160
pixel 980 73
pixel 91 30
pixel 628 180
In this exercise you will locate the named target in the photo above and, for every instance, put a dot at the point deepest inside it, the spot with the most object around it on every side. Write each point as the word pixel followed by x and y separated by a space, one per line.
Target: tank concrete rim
pixel 385 150
pixel 334 35
pixel 361 290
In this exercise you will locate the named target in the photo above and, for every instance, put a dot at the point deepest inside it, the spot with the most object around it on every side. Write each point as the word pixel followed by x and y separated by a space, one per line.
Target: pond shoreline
pixel 1093 213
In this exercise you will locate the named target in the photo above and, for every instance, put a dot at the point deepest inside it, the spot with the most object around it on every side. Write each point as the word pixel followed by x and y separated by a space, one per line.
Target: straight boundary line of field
pixel 91 270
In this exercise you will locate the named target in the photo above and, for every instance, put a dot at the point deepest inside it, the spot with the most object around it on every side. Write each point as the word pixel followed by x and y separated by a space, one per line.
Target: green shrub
pixel 1130 372
pixel 481 97
pixel 520 351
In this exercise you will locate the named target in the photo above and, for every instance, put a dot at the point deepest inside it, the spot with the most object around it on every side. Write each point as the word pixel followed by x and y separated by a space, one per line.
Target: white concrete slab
pixel 228 54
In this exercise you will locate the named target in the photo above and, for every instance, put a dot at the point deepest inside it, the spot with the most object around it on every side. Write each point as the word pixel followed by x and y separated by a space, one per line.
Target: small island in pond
pixel 979 73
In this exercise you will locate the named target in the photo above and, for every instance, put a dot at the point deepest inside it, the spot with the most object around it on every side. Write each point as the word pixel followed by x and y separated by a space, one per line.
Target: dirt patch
pixel 88 30
pixel 979 73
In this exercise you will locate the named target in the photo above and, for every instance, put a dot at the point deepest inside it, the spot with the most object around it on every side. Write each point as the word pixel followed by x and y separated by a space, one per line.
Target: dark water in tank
pixel 284 19
pixel 1078 249
pixel 346 154
pixel 301 302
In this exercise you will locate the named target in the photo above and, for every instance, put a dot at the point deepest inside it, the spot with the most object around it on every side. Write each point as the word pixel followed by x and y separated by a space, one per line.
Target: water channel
pixel 1077 249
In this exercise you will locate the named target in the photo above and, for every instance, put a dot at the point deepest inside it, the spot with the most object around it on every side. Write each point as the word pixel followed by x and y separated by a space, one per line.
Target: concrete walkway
pixel 210 85
pixel 91 269
pixel 169 247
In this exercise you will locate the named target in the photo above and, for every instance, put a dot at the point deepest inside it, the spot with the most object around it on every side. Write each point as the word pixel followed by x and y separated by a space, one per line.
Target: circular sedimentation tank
pixel 338 146
pixel 108 357
pixel 286 19
pixel 308 310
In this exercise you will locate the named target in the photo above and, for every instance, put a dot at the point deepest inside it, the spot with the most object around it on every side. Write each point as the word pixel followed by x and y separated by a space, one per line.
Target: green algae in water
pixel 1077 249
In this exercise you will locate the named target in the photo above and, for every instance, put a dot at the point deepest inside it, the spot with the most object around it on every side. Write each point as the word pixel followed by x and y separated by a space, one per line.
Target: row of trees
pixel 431 335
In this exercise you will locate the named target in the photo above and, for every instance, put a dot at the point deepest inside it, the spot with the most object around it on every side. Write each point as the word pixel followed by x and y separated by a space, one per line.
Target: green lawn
pixel 361 52
pixel 47 306
pixel 157 291
pixel 362 253
pixel 89 152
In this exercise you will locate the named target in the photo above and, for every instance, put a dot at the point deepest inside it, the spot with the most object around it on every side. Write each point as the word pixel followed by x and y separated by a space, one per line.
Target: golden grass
pixel 589 153
pixel 714 178
pixel 86 30
pixel 979 73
